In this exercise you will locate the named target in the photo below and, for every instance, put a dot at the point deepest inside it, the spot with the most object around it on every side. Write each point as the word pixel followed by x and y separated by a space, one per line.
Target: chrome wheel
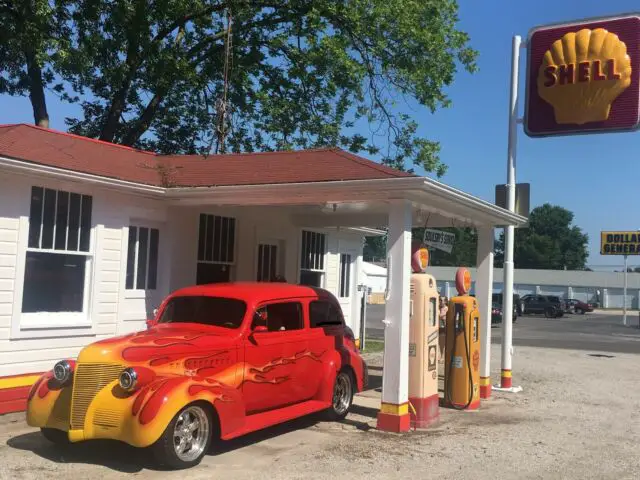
pixel 191 433
pixel 342 394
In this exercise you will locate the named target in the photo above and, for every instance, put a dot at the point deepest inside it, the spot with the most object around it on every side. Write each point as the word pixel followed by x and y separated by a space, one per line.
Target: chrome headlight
pixel 62 371
pixel 128 379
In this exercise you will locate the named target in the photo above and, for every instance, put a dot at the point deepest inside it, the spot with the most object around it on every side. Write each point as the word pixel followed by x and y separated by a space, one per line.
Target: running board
pixel 258 421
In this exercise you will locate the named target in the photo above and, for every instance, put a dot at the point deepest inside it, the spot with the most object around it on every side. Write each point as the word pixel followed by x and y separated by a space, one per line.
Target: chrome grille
pixel 88 380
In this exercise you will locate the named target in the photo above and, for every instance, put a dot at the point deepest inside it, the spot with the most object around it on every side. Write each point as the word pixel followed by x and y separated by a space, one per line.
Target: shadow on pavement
pixel 124 458
pixel 98 452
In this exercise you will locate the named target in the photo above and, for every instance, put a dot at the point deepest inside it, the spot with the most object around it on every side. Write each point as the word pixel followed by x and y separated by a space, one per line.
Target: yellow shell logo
pixel 582 74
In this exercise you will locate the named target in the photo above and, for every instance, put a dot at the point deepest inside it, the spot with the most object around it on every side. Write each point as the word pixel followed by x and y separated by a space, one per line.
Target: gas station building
pixel 301 214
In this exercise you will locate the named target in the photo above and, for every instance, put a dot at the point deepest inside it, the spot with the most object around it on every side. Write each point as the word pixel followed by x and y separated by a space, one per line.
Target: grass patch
pixel 373 346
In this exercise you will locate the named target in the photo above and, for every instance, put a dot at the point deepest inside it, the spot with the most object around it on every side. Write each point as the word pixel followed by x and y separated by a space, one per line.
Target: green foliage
pixel 550 242
pixel 375 249
pixel 33 37
pixel 305 73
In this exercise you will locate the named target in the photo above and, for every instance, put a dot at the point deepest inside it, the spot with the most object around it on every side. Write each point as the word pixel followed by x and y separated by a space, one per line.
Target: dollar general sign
pixel 620 243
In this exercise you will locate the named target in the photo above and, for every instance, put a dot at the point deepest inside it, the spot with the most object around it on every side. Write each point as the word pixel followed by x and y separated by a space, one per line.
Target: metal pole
pixel 624 295
pixel 509 231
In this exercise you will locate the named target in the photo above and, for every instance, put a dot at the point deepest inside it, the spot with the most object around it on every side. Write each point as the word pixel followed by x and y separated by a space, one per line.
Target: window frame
pixel 54 324
pixel 323 255
pixel 137 292
pixel 234 244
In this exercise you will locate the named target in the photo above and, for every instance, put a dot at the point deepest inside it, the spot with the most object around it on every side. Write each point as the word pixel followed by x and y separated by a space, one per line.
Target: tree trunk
pixel 143 123
pixel 36 91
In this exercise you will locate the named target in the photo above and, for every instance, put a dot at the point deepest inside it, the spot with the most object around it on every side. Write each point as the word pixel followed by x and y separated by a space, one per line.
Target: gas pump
pixel 423 343
pixel 462 372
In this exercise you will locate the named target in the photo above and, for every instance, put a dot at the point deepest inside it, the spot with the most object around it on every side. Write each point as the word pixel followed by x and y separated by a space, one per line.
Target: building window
pixel 267 262
pixel 216 249
pixel 345 275
pixel 58 258
pixel 312 258
pixel 142 258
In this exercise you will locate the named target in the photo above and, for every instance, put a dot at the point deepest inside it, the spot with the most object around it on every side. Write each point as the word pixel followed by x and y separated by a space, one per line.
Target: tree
pixel 463 253
pixel 550 242
pixel 302 73
pixel 34 34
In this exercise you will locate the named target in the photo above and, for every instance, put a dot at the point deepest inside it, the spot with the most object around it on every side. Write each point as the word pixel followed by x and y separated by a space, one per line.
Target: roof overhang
pixel 348 203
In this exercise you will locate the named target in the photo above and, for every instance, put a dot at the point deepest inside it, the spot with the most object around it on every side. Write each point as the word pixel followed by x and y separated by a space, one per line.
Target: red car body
pixel 270 353
pixel 579 306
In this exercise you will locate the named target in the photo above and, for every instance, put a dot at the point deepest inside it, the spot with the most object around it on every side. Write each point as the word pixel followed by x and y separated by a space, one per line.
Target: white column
pixel 569 292
pixel 395 374
pixel 484 291
pixel 509 231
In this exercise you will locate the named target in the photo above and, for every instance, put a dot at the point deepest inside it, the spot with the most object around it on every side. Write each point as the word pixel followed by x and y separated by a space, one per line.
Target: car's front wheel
pixel 343 390
pixel 55 436
pixel 186 439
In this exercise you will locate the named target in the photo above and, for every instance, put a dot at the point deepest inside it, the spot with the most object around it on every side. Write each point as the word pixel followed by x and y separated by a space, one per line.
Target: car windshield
pixel 214 311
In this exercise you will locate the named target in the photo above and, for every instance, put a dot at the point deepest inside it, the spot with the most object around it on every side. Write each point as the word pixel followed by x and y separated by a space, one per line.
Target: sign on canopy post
pixel 582 77
pixel 438 239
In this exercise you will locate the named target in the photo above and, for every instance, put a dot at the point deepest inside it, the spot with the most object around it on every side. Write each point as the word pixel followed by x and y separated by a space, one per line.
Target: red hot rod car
pixel 217 362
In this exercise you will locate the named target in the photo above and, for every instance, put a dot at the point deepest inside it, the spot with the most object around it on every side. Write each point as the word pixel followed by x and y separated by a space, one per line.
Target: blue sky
pixel 594 176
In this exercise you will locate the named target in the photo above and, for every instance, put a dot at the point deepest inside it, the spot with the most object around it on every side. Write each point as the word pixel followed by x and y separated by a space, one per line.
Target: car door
pixel 532 304
pixel 274 372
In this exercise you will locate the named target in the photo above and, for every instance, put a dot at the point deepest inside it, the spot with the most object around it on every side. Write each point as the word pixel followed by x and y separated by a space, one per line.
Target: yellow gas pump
pixel 462 365
pixel 423 344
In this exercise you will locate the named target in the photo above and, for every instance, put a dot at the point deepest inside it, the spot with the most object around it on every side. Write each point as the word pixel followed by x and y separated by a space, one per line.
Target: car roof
pixel 256 291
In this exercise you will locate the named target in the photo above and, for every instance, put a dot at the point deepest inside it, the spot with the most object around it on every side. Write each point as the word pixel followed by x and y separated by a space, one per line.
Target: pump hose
pixel 449 383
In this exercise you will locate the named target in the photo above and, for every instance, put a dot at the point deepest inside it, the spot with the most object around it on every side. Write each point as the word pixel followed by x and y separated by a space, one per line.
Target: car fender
pixel 330 368
pixel 146 413
pixel 48 403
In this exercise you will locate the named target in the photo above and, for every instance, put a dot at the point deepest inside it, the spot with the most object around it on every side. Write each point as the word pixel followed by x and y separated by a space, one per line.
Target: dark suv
pixel 550 305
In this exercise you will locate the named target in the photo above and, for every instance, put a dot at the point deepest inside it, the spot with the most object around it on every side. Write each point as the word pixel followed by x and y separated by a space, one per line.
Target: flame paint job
pixel 239 374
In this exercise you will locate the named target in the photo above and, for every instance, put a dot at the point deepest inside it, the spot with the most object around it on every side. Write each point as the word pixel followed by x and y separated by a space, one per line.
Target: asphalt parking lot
pixel 592 331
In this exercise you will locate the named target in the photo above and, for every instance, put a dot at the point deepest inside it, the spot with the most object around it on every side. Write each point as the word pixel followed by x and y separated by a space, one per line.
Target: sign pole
pixel 624 295
pixel 509 231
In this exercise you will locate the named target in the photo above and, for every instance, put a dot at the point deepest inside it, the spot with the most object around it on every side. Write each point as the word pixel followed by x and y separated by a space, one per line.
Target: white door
pixel 269 259
pixel 347 291
pixel 145 280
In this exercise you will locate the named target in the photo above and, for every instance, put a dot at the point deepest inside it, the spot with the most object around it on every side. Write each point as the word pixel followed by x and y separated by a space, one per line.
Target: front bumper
pixel 110 414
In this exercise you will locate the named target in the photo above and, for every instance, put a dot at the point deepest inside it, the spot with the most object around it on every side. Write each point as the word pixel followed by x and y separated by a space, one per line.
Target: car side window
pixel 283 316
pixel 323 313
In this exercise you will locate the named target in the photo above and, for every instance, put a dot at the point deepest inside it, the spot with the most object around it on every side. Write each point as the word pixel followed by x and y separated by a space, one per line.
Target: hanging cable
pixel 221 103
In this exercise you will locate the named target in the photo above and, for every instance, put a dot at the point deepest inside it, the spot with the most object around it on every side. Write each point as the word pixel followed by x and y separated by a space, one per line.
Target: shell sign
pixel 584 77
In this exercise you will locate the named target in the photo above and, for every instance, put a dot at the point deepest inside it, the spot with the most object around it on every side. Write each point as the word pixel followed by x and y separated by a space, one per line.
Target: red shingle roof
pixel 80 154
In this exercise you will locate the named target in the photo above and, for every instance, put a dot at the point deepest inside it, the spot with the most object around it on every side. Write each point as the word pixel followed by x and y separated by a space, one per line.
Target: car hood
pixel 160 345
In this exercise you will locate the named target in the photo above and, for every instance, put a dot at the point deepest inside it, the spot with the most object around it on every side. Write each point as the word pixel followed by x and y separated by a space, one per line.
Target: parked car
pixel 217 362
pixel 517 302
pixel 578 306
pixel 496 313
pixel 549 305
